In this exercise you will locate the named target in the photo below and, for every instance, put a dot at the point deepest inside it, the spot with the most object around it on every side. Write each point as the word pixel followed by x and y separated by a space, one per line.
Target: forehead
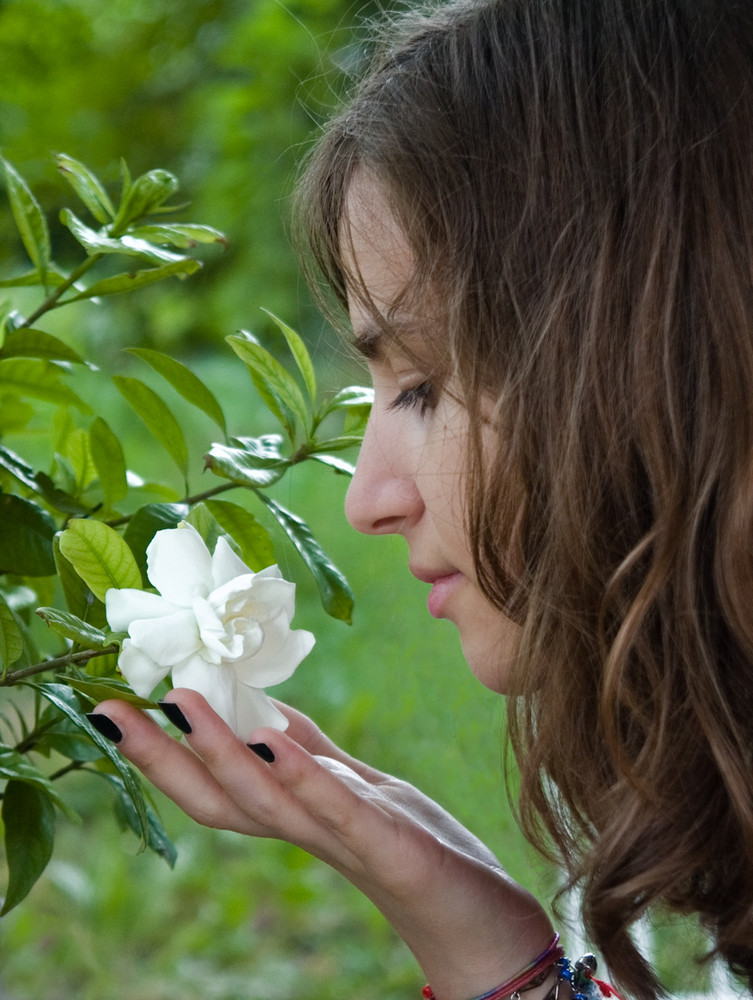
pixel 376 251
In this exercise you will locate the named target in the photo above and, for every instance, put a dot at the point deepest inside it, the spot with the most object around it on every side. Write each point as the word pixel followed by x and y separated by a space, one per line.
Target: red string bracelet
pixel 543 963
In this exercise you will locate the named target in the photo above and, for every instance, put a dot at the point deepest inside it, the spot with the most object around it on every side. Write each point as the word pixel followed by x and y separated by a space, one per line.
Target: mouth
pixel 443 584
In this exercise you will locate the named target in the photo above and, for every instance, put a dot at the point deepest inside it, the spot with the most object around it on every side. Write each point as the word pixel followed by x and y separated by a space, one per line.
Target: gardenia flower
pixel 219 628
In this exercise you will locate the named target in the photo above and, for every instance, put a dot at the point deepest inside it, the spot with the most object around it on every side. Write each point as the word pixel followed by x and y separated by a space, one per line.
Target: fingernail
pixel 104 725
pixel 263 751
pixel 175 716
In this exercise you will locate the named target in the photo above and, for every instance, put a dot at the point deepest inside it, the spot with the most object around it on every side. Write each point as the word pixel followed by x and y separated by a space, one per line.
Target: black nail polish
pixel 104 725
pixel 175 716
pixel 263 751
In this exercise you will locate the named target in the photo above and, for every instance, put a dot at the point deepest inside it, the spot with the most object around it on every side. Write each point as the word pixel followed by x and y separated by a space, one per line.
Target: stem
pixel 51 301
pixel 59 661
pixel 196 498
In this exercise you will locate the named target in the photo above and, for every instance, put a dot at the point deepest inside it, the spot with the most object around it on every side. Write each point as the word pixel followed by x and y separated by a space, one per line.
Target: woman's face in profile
pixel 409 477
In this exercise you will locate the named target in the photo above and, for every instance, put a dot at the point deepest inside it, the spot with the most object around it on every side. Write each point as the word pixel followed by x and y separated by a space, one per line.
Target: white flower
pixel 221 629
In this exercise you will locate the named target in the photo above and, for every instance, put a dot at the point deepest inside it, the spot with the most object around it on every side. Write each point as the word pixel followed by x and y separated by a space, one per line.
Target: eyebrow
pixel 367 340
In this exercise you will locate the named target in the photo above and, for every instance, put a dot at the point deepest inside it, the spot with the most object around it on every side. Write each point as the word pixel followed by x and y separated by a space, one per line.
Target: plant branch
pixel 116 522
pixel 59 661
pixel 52 300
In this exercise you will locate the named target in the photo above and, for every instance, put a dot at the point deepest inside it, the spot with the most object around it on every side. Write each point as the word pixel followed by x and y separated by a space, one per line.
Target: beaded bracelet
pixel 579 977
pixel 533 975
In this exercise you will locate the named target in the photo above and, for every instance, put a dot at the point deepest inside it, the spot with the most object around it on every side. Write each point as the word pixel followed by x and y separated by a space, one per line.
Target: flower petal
pixel 139 669
pixel 268 667
pixel 215 682
pixel 179 564
pixel 226 564
pixel 167 640
pixel 254 709
pixel 123 606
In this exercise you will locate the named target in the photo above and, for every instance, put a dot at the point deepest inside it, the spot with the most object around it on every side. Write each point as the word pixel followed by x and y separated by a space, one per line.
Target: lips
pixel 443 583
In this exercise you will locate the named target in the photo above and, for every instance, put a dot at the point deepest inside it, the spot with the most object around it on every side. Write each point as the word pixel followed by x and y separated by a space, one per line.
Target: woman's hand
pixel 468 924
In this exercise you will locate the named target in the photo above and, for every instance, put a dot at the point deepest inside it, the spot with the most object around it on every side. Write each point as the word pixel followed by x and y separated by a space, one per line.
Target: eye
pixel 421 397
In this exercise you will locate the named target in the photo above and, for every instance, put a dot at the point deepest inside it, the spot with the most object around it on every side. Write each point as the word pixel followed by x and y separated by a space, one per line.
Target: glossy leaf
pixel 109 461
pixel 131 280
pixel 38 380
pixel 31 223
pixel 100 242
pixel 73 628
pixel 157 416
pixel 300 353
pixel 87 186
pixel 28 343
pixel 64 698
pixel 334 590
pixel 142 196
pixel 338 464
pixel 29 820
pixel 351 396
pixel 252 538
pixel 145 524
pixel 277 383
pixel 102 690
pixel 16 766
pixel 26 533
pixel 185 382
pixel 178 234
pixel 157 839
pixel 100 556
pixel 11 640
pixel 245 467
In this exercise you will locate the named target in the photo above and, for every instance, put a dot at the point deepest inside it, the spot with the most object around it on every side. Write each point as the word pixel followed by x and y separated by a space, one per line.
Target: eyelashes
pixel 421 397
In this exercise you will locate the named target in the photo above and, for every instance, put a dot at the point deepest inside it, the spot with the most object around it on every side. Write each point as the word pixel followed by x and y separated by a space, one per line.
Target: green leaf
pixel 247 466
pixel 31 278
pixel 145 524
pixel 11 640
pixel 208 527
pixel 97 691
pixel 131 280
pixel 26 533
pixel 38 380
pixel 109 461
pixel 300 353
pixel 185 382
pixel 29 819
pixel 338 464
pixel 73 628
pixel 352 395
pixel 28 343
pixel 278 385
pixel 79 599
pixel 252 538
pixel 181 235
pixel 100 556
pixel 336 444
pixel 64 698
pixel 156 837
pixel 334 590
pixel 40 483
pixel 87 186
pixel 143 196
pixel 157 417
pixel 30 220
pixel 102 243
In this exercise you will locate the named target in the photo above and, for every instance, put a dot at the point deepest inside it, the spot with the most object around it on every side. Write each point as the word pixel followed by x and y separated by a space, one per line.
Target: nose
pixel 382 498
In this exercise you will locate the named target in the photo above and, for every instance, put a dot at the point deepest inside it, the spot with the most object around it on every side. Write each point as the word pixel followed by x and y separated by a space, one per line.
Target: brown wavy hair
pixel 576 177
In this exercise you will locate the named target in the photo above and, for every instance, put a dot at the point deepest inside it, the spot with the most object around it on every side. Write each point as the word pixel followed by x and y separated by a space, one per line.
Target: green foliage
pixel 76 522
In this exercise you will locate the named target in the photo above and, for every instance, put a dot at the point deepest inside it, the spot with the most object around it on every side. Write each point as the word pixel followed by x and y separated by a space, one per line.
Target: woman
pixel 538 215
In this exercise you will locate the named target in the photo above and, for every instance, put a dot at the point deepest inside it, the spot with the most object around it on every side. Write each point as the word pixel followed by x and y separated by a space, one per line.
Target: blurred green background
pixel 227 95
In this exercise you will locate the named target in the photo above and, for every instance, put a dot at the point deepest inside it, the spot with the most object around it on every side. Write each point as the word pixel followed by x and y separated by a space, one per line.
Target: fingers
pixel 173 768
